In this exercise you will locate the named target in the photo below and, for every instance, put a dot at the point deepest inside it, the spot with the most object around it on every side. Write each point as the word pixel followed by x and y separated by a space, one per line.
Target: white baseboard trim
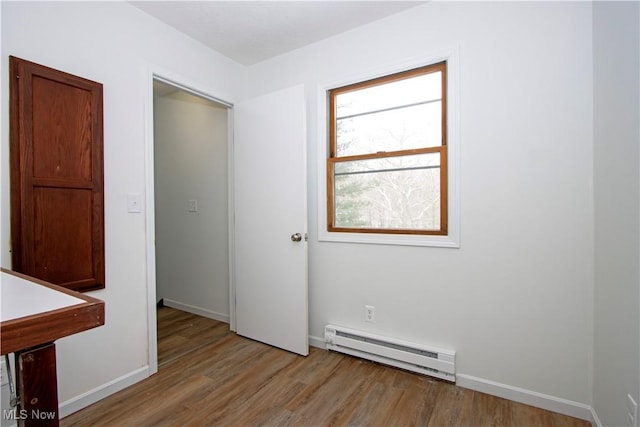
pixel 317 342
pixel 196 310
pixel 595 421
pixel 77 403
pixel 528 397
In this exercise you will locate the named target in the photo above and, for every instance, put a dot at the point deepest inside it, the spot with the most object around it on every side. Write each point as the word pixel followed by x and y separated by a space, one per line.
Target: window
pixel 387 165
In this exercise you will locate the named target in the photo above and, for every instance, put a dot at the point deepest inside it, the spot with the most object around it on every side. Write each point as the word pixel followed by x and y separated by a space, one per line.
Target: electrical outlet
pixel 632 414
pixel 369 313
pixel 193 205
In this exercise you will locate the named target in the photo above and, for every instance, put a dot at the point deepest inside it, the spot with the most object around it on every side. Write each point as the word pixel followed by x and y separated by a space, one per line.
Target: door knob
pixel 296 237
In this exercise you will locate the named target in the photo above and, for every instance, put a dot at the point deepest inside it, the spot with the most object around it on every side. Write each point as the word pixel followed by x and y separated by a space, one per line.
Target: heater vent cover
pixel 414 357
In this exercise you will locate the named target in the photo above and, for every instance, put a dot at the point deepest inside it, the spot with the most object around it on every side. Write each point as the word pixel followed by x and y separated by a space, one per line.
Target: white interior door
pixel 270 208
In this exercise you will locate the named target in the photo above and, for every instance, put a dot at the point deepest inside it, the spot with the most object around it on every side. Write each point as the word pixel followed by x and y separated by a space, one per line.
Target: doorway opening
pixel 191 218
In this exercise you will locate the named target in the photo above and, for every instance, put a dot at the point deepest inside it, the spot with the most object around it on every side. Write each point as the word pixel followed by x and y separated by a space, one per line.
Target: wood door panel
pixel 61 119
pixel 62 246
pixel 57 201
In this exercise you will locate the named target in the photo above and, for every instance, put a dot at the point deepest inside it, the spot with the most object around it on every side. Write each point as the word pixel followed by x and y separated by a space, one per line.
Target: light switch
pixel 134 203
pixel 193 205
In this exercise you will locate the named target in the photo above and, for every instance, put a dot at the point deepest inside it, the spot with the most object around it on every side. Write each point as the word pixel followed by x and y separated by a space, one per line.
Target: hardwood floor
pixel 209 376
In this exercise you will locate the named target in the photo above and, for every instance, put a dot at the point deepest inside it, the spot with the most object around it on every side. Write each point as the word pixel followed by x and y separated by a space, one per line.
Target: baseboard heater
pixel 413 357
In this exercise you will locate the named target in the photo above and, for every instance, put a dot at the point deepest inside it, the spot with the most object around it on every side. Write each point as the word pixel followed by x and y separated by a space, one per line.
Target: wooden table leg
pixel 37 386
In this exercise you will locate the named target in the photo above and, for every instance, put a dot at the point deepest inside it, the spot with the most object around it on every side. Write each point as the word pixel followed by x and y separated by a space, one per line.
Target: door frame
pixel 182 83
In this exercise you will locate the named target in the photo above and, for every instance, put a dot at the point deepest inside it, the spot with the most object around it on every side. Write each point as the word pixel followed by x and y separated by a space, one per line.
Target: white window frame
pixel 452 239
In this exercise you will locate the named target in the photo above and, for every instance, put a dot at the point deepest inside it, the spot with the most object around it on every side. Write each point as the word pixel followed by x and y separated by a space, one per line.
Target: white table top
pixel 21 298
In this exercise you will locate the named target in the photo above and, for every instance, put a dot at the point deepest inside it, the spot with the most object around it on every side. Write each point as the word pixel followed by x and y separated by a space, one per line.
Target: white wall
pixel 192 249
pixel 616 33
pixel 515 300
pixel 115 44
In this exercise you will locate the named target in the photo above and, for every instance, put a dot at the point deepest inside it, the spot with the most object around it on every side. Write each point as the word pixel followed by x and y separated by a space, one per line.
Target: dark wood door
pixel 57 214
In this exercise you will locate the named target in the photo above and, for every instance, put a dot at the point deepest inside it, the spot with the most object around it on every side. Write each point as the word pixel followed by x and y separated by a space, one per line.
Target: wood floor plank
pixel 531 416
pixel 313 369
pixel 328 400
pixel 213 377
pixel 273 397
pixel 249 378
pixel 490 410
pixel 180 332
pixel 375 408
pixel 453 407
pixel 416 405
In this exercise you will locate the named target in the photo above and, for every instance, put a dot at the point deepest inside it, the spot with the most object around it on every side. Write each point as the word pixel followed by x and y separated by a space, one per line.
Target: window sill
pixel 390 239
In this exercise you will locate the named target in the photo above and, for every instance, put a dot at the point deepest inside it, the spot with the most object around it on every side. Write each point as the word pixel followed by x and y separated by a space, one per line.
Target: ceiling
pixel 252 31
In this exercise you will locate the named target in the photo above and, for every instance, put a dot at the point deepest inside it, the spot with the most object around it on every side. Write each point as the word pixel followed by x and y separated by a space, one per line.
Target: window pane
pixel 426 87
pixel 401 192
pixel 401 129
